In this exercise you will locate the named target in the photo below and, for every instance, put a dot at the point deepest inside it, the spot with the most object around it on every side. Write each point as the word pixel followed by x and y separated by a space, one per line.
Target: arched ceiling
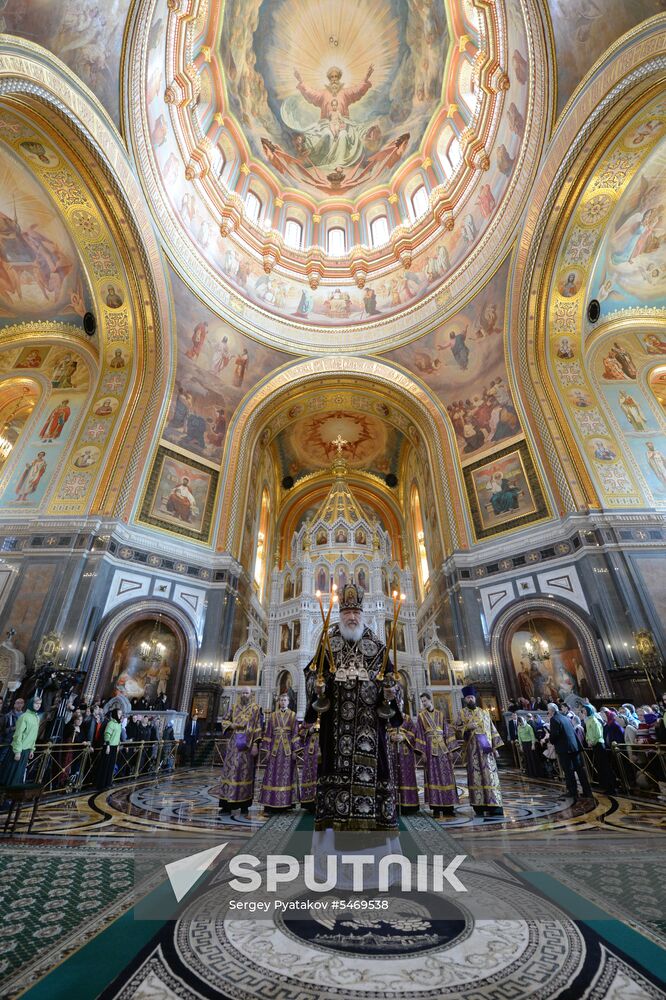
pixel 367 441
pixel 239 129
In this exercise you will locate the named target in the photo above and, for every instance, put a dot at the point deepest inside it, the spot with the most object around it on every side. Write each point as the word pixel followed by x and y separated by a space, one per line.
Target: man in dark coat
pixel 563 738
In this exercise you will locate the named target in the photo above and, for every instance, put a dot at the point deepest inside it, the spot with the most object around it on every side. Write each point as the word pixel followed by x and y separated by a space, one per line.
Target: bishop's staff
pixel 385 710
pixel 322 703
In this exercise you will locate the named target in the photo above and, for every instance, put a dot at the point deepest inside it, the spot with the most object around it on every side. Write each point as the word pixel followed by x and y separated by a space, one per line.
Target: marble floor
pixel 565 901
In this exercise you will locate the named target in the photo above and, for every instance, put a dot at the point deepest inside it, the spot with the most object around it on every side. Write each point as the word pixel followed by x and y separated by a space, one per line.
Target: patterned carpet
pixel 547 888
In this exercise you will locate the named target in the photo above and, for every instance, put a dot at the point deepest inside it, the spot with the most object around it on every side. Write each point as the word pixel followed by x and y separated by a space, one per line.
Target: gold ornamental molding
pixel 619 84
pixel 35 80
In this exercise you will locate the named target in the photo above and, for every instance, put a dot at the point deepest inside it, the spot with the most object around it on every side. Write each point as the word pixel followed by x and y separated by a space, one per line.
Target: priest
pixel 355 789
pixel 243 723
pixel 435 740
pixel 403 759
pixel 278 789
pixel 481 750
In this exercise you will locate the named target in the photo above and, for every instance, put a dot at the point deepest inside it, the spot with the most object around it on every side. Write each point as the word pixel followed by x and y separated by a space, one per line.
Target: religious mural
pixel 56 231
pixel 29 472
pixel 332 94
pixel 504 491
pixel 87 37
pixel 180 495
pixel 217 366
pixel 584 29
pixel 631 264
pixel 40 271
pixel 438 667
pixel 369 442
pixel 321 132
pixel 551 679
pixel 130 675
pixel 463 362
pixel 613 242
pixel 248 669
pixel 619 363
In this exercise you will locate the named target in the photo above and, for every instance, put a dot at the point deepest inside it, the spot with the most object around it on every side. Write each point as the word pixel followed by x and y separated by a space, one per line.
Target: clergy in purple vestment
pixel 403 759
pixel 280 742
pixel 435 740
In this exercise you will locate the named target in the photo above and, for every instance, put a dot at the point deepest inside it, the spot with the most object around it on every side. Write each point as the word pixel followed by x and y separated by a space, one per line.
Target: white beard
pixel 351 634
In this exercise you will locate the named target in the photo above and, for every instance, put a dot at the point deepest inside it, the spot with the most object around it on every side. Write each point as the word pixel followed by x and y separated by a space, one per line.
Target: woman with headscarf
pixel 109 750
pixel 612 733
pixel 23 744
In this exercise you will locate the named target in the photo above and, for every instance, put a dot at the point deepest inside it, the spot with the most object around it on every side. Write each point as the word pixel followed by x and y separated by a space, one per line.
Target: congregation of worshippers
pixel 277 761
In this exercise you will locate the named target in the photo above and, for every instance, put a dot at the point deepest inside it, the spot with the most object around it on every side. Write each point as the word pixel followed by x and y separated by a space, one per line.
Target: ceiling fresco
pixel 584 30
pixel 87 36
pixel 631 260
pixel 40 270
pixel 369 443
pixel 333 93
pixel 216 366
pixel 238 131
pixel 463 362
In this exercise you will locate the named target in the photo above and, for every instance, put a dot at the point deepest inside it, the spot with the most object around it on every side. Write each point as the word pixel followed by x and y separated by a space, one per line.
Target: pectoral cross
pixel 339 443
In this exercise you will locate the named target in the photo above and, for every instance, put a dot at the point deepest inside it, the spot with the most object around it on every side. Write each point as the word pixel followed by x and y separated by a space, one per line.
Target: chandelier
pixel 153 650
pixel 536 647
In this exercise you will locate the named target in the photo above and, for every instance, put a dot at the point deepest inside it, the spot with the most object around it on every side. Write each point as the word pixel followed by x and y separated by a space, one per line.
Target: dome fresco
pixel 343 183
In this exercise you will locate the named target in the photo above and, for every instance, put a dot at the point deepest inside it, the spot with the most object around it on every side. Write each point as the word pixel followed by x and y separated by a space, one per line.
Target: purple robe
pixel 482 775
pixel 238 767
pixel 310 739
pixel 401 741
pixel 435 740
pixel 278 789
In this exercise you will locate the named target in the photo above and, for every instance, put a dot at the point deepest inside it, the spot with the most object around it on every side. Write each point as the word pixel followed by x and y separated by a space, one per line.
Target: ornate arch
pixel 559 610
pixel 41 88
pixel 112 626
pixel 424 409
pixel 620 81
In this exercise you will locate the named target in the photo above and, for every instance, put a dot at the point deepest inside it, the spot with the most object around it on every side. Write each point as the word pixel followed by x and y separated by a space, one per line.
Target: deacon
pixel 278 790
pixel 311 754
pixel 236 788
pixel 403 759
pixel 481 743
pixel 354 785
pixel 435 740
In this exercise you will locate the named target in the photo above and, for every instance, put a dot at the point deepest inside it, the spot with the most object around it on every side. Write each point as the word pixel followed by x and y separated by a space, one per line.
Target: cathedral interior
pixel 294 295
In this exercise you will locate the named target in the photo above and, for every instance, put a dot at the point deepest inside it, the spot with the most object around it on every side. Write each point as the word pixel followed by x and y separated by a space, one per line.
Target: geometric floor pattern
pixel 562 902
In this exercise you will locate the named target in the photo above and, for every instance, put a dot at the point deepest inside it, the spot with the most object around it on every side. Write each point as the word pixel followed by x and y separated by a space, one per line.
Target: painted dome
pixel 335 173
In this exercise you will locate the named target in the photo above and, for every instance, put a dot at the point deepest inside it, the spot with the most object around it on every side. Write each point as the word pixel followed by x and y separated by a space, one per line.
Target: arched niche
pixel 392 384
pixel 572 200
pixel 78 158
pixel 19 395
pixel 115 651
pixel 574 649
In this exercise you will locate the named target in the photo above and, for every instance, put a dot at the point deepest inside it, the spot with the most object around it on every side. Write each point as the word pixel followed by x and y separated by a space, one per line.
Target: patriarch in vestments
pixel 355 789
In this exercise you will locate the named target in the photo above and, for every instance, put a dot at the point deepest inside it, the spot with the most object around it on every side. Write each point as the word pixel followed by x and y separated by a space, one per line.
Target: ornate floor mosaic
pixel 517 933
